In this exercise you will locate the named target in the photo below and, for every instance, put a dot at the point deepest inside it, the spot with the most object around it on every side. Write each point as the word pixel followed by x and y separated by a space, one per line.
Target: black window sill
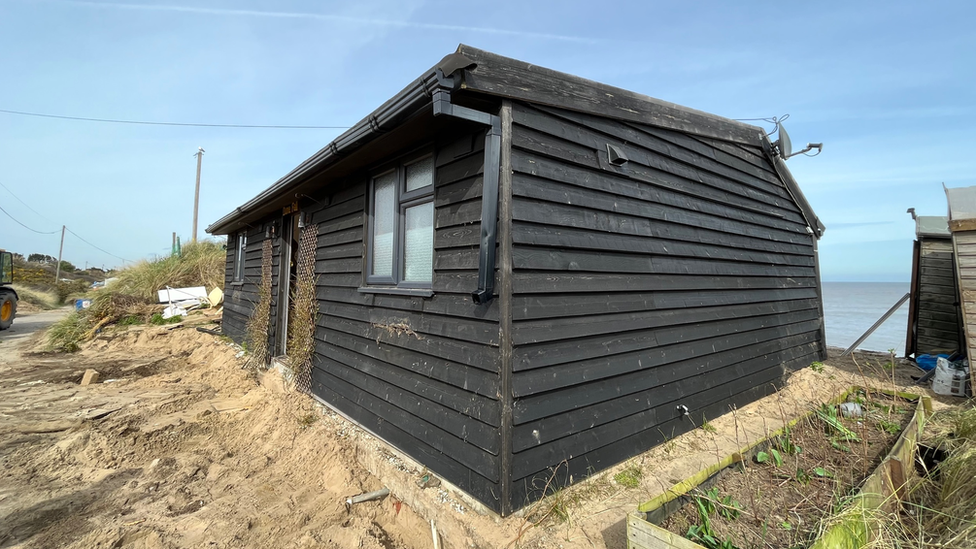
pixel 415 292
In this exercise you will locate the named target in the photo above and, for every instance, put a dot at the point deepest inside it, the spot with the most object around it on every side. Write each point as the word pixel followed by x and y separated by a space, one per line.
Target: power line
pixel 22 202
pixel 53 232
pixel 96 247
pixel 151 123
pixel 25 226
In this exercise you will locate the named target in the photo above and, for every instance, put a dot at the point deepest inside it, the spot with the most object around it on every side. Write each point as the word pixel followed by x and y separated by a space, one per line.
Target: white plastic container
pixel 949 380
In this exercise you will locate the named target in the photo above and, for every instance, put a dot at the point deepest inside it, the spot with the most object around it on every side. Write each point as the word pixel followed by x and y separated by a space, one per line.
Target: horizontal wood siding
pixel 937 326
pixel 684 277
pixel 964 250
pixel 420 372
pixel 240 298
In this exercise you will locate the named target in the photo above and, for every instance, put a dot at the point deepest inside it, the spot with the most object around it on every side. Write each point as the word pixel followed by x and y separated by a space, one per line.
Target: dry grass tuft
pixel 38 298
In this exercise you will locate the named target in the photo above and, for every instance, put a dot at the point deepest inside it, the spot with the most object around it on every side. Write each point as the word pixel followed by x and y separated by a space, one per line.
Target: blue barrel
pixel 86 303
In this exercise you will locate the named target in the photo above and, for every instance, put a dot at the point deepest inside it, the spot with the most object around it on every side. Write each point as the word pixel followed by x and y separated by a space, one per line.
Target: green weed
pixel 629 477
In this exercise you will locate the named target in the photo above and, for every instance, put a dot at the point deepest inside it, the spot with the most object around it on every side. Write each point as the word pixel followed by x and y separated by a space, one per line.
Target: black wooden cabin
pixel 933 314
pixel 519 268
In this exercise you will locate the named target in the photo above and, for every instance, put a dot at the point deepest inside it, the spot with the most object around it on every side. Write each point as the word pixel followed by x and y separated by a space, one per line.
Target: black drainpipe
pixel 489 192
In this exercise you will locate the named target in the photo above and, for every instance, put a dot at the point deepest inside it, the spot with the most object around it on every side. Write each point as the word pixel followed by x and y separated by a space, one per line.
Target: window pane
pixel 384 214
pixel 418 250
pixel 241 249
pixel 420 174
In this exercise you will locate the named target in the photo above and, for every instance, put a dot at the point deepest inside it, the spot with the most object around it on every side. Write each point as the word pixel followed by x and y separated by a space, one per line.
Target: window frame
pixel 240 257
pixel 402 200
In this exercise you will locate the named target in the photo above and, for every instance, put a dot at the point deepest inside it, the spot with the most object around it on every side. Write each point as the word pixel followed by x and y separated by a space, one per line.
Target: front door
pixel 286 279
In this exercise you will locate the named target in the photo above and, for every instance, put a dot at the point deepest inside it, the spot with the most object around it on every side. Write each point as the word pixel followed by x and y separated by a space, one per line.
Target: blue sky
pixel 888 87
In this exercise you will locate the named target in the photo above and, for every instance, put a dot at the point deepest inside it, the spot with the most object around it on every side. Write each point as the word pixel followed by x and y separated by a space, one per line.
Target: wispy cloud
pixel 370 21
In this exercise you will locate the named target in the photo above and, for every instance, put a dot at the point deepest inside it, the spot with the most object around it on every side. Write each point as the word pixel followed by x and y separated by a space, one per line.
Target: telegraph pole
pixel 196 195
pixel 57 271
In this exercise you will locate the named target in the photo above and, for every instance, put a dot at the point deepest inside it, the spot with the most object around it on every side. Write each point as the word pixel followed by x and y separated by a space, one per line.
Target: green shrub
pixel 158 320
pixel 66 335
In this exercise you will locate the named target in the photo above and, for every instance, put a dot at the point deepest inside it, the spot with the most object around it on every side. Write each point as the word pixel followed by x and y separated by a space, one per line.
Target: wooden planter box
pixel 883 489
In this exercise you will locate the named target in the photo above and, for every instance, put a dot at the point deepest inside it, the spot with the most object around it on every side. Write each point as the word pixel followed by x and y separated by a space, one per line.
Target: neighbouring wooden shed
pixel 962 224
pixel 524 275
pixel 933 320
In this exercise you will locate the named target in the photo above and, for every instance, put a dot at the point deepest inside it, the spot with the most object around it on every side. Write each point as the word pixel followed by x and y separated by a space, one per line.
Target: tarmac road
pixel 13 339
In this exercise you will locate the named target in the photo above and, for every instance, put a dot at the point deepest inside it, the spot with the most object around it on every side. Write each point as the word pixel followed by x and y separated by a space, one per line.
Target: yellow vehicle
pixel 8 297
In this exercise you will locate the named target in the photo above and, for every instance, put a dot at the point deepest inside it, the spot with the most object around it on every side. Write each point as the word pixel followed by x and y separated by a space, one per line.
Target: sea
pixel 850 308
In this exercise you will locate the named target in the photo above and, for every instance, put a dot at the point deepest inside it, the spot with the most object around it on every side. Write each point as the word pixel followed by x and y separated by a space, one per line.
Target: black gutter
pixel 489 191
pixel 410 101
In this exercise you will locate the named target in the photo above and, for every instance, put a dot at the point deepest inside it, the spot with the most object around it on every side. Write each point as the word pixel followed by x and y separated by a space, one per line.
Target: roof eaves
pixel 506 77
pixel 390 114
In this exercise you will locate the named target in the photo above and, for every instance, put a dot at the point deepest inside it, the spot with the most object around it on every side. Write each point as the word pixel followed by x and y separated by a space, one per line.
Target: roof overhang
pixel 481 72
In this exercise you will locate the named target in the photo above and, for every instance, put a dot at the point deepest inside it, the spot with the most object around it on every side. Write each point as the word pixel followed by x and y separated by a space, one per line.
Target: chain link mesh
pixel 304 309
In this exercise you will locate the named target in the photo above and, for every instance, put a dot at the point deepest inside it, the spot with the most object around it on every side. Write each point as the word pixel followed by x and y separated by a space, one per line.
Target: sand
pixel 178 446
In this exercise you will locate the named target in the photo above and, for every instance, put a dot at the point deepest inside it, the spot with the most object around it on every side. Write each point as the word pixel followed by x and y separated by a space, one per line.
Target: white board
pixel 179 294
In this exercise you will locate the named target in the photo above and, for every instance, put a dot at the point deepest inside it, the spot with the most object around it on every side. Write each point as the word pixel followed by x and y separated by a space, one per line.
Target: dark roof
pixel 475 70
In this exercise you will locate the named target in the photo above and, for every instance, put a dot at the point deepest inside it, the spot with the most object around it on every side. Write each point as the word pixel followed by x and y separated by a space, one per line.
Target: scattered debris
pixel 368 496
pixel 90 377
pixel 427 479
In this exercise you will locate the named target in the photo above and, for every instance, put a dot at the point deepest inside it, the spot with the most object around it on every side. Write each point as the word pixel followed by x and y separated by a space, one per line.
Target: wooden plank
pixel 582 129
pixel 341 251
pixel 540 380
pixel 335 238
pixel 561 328
pixel 528 282
pixel 422 350
pixel 339 210
pixel 420 325
pixel 604 447
pixel 753 155
pixel 352 265
pixel 552 416
pixel 458 213
pixel 933 246
pixel 961 225
pixel 441 440
pixel 547 178
pixel 515 79
pixel 559 306
pixel 440 303
pixel 456 192
pixel 483 408
pixel 542 259
pixel 540 355
pixel 581 239
pixel 342 223
pixel 457 237
pixel 644 535
pixel 416 399
pixel 689 179
pixel 440 463
pixel 651 221
pixel 948 316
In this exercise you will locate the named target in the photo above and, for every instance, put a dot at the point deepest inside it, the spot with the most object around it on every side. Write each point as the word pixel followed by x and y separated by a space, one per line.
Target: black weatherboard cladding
pixel 241 297
pixel 937 321
pixel 684 277
pixel 422 373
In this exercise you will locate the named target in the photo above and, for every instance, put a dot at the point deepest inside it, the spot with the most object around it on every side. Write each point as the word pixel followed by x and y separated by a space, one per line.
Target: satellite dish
pixel 783 143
